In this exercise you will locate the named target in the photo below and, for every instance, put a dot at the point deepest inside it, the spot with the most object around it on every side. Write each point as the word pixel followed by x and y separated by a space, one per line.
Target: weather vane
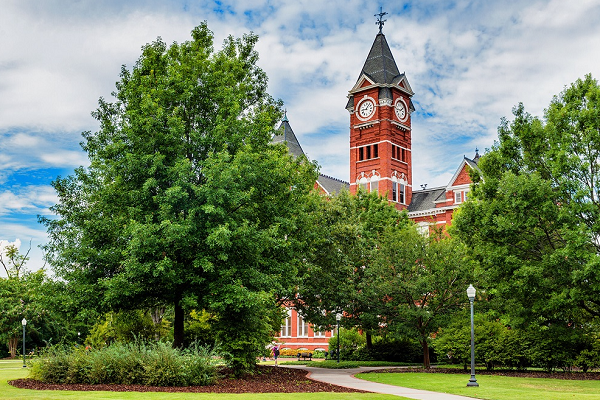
pixel 380 21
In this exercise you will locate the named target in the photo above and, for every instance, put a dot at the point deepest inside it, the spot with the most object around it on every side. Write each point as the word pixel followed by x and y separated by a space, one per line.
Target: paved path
pixel 345 377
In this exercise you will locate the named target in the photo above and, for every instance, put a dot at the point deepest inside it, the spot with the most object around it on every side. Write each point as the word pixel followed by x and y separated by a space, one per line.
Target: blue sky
pixel 469 63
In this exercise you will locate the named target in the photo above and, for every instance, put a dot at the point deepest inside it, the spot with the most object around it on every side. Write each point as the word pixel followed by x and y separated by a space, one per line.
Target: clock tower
pixel 380 109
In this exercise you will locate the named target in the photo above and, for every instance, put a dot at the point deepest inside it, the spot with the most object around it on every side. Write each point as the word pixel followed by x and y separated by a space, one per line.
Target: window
pixel 302 327
pixel 286 328
pixel 364 183
pixel 399 192
pixel 319 333
pixel 460 197
pixel 368 152
pixel 374 185
pixel 399 153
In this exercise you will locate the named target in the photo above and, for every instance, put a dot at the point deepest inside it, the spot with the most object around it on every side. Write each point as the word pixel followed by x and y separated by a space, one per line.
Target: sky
pixel 468 62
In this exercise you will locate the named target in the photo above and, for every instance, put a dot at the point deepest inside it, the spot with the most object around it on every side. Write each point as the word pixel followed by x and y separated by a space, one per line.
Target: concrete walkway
pixel 345 377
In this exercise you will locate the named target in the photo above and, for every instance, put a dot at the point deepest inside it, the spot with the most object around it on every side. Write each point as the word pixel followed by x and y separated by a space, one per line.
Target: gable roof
pixel 332 185
pixel 466 161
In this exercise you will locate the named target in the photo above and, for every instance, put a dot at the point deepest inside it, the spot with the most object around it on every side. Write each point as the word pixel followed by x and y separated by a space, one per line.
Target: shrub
pixel 350 342
pixel 394 349
pixel 155 364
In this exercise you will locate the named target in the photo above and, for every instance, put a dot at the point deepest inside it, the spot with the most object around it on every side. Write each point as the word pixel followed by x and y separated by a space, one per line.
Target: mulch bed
pixel 264 380
pixel 577 376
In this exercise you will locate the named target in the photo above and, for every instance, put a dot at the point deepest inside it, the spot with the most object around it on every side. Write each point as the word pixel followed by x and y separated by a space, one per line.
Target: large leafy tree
pixel 348 232
pixel 534 221
pixel 421 282
pixel 185 202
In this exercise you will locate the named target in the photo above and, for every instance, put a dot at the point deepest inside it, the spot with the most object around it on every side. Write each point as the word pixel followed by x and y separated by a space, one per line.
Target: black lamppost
pixel 24 323
pixel 471 296
pixel 338 318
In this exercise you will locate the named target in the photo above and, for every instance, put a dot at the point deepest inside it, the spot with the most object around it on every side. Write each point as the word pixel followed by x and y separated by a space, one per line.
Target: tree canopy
pixel 534 218
pixel 346 233
pixel 185 201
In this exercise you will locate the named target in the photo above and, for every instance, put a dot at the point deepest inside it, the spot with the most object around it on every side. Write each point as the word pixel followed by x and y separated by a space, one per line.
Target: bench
pixel 304 356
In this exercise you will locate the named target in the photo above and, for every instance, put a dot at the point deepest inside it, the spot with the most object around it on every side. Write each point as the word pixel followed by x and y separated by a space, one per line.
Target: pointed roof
pixel 380 66
pixel 286 135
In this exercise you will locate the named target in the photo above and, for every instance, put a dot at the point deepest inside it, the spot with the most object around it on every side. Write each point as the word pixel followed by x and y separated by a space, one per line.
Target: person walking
pixel 276 353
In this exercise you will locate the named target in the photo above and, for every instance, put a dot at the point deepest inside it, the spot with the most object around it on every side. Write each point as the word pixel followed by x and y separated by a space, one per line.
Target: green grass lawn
pixel 14 369
pixel 492 387
pixel 333 364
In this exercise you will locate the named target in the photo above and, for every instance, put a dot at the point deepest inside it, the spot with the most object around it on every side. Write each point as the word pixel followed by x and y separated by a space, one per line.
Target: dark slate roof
pixel 385 93
pixel 350 103
pixel 380 65
pixel 423 200
pixel 332 185
pixel 286 135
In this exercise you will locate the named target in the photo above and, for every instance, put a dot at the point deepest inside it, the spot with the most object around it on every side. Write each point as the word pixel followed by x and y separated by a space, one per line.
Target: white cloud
pixel 27 199
pixel 469 63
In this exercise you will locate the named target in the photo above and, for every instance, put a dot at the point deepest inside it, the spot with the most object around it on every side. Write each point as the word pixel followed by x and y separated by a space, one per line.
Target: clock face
pixel 366 109
pixel 400 109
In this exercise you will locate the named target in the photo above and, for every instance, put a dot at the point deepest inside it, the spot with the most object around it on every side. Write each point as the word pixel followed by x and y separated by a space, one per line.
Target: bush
pixel 155 364
pixel 394 349
pixel 350 342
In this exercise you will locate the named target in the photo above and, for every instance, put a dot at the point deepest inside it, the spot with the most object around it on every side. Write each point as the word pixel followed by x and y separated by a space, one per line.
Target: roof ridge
pixel 331 177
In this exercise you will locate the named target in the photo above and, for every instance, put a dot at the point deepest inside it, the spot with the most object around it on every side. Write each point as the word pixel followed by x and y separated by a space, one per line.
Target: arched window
pixel 375 181
pixel 398 188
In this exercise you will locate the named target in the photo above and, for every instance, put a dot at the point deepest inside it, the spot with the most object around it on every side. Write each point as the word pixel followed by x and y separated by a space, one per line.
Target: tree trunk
pixel 369 338
pixel 157 314
pixel 426 362
pixel 178 326
pixel 12 346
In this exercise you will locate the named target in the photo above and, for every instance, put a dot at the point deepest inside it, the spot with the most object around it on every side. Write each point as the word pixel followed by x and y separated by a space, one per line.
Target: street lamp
pixel 24 323
pixel 471 296
pixel 338 318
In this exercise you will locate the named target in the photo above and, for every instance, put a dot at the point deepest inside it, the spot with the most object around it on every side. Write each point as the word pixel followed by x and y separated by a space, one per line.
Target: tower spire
pixel 380 21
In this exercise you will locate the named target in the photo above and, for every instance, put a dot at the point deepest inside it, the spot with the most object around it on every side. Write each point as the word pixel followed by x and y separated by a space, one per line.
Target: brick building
pixel 380 108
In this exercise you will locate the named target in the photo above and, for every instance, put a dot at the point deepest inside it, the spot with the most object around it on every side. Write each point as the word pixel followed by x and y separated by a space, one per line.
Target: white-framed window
pixel 460 196
pixel 364 183
pixel 302 327
pixel 318 332
pixel 374 181
pixel 423 228
pixel 286 327
pixel 398 187
pixel 399 192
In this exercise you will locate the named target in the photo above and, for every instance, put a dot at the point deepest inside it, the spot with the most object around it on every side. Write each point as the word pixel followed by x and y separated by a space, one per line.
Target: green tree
pixel 421 282
pixel 28 297
pixel 534 222
pixel 184 201
pixel 11 259
pixel 346 233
